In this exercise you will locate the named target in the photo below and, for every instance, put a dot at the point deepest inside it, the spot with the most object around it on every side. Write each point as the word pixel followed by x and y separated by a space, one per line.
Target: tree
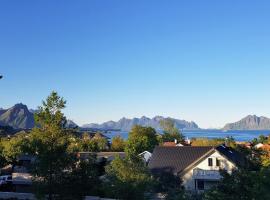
pixel 140 139
pixel 14 147
pixel 50 143
pixel 241 184
pixel 170 131
pixel 170 185
pixel 101 142
pixel 127 179
pixel 118 144
pixel 81 180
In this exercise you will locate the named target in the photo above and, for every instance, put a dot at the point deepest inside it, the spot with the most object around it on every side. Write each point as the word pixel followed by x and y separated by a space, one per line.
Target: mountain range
pixel 126 124
pixel 20 117
pixel 251 122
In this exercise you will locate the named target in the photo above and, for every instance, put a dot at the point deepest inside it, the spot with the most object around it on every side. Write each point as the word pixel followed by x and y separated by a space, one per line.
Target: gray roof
pixel 175 159
pixel 178 159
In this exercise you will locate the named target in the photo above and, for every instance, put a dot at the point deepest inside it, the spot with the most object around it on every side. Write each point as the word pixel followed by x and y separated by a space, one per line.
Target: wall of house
pixel 189 181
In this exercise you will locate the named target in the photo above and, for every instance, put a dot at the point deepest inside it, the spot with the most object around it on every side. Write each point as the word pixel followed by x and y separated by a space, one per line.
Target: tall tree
pixel 170 131
pixel 50 143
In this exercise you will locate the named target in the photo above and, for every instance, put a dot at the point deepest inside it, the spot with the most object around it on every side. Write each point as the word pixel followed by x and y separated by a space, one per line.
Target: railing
pixel 206 174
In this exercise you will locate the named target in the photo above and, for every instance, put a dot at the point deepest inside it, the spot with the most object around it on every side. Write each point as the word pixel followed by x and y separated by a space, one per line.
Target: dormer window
pixel 210 162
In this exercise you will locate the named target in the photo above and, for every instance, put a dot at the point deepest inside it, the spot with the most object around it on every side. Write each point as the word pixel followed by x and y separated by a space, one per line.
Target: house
pixel 146 155
pixel 198 167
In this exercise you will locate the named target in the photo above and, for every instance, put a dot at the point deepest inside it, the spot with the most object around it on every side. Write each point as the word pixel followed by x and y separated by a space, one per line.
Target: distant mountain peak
pixel 250 122
pixel 18 117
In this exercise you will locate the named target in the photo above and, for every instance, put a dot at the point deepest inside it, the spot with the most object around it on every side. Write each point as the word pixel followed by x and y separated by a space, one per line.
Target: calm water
pixel 237 135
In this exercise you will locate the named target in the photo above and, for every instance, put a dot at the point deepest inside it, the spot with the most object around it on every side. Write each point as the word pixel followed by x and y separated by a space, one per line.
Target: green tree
pixel 101 142
pixel 170 185
pixel 118 144
pixel 127 179
pixel 241 184
pixel 50 142
pixel 14 146
pixel 170 131
pixel 140 139
pixel 81 180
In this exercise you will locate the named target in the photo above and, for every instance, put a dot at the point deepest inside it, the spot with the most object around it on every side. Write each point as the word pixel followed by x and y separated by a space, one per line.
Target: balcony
pixel 206 174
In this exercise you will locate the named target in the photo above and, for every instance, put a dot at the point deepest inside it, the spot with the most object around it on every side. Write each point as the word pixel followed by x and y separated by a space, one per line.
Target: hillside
pixel 18 117
pixel 251 122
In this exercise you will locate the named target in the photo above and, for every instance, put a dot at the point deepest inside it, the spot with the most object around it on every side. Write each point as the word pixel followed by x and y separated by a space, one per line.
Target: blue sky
pixel 206 61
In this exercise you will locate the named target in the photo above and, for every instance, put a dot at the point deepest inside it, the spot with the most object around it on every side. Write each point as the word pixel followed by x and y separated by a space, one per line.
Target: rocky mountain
pixel 71 124
pixel 125 124
pixel 251 122
pixel 18 117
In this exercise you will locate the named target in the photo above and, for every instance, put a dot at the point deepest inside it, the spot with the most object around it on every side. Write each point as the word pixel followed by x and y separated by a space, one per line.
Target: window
pixel 200 184
pixel 210 162
pixel 218 162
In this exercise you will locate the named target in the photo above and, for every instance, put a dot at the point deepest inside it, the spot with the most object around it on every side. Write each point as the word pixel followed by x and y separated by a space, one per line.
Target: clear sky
pixel 206 61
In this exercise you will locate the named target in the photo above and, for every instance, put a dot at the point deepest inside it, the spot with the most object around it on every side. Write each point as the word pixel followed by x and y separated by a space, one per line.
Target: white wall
pixel 189 182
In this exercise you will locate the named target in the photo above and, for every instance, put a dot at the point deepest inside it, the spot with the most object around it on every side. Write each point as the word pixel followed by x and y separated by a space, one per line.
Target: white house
pixel 198 167
pixel 146 155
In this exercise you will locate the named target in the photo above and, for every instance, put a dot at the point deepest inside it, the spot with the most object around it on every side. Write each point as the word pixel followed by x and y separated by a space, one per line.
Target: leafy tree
pixel 170 185
pixel 101 142
pixel 127 179
pixel 80 181
pixel 3 160
pixel 118 144
pixel 13 147
pixel 170 131
pixel 241 184
pixel 50 143
pixel 140 139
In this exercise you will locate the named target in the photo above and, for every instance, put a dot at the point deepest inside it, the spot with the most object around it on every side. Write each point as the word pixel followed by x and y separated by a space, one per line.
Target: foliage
pixel 170 131
pixel 81 180
pixel 241 184
pixel 118 144
pixel 169 184
pixel 101 142
pixel 50 143
pixel 207 142
pixel 95 144
pixel 261 139
pixel 14 146
pixel 127 179
pixel 140 139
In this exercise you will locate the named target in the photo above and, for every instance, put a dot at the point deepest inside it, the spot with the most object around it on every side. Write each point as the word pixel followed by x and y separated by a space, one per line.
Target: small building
pixel 198 167
pixel 146 155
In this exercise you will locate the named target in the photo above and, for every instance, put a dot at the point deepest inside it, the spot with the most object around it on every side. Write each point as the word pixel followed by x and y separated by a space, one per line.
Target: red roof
pixel 169 144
